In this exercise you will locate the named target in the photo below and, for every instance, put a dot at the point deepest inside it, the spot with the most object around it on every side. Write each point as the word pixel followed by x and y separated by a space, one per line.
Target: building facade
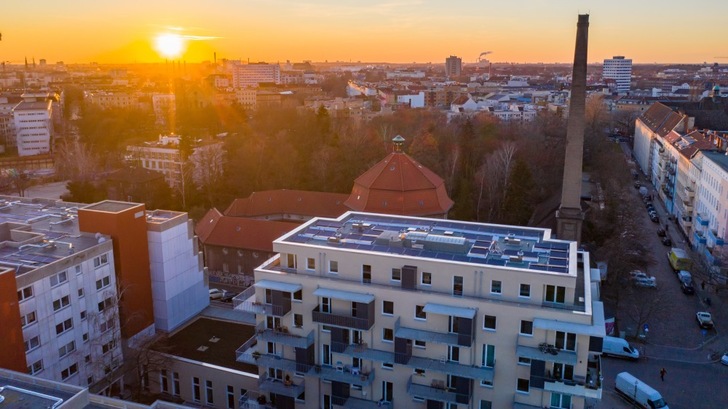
pixel 33 127
pixel 618 69
pixel 369 309
pixel 251 75
pixel 453 66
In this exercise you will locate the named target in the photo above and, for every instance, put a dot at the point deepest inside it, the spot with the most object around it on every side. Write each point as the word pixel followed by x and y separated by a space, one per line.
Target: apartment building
pixel 453 66
pixel 251 75
pixel 618 69
pixel 111 100
pixel 33 127
pixel 368 310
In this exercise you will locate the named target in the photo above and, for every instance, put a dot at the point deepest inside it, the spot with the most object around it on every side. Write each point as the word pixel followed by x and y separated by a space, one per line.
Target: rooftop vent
pixel 202 348
pixel 214 339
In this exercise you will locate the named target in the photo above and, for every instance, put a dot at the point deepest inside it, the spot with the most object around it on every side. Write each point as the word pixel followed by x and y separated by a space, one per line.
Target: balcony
pixel 589 387
pixel 244 354
pixel 561 357
pixel 345 373
pixel 341 320
pixel 701 220
pixel 699 238
pixel 436 391
pixel 283 336
pixel 686 222
pixel 277 362
pixel 279 387
pixel 451 368
pixel 358 403
pixel 689 193
pixel 713 236
pixel 253 400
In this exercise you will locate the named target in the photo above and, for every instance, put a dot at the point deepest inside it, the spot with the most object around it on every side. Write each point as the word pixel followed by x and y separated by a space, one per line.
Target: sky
pixel 396 31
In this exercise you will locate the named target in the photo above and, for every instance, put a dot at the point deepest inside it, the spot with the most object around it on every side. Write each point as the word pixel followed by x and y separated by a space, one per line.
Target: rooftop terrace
pixel 447 240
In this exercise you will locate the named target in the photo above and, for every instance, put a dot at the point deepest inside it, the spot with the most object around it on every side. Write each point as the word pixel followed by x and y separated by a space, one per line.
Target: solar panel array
pixel 485 244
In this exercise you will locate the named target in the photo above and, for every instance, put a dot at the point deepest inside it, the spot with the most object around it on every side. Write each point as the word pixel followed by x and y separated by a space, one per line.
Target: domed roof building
pixel 400 185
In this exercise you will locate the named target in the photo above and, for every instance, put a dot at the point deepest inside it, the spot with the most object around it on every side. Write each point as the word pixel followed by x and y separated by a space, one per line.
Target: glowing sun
pixel 169 45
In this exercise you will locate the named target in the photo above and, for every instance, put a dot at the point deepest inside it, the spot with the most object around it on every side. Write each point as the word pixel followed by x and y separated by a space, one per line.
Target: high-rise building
pixel 367 309
pixel 453 66
pixel 618 69
pixel 251 75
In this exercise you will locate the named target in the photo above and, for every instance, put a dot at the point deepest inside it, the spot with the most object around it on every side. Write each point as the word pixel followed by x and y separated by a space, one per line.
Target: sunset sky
pixel 105 31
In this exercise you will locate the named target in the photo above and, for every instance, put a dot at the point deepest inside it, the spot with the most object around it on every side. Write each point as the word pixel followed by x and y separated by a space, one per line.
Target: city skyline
pixel 402 31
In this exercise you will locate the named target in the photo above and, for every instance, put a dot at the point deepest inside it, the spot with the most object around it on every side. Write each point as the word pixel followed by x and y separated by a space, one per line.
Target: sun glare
pixel 169 45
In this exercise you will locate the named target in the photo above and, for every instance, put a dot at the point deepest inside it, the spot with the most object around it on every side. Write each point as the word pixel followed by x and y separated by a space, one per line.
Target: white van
pixel 639 392
pixel 618 347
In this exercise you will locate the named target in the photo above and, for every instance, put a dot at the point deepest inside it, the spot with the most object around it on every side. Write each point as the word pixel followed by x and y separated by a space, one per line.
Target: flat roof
pixel 210 341
pixel 111 206
pixel 526 248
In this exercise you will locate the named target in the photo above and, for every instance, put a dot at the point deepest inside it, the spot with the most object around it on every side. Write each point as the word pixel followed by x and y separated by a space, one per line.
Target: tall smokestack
pixel 570 216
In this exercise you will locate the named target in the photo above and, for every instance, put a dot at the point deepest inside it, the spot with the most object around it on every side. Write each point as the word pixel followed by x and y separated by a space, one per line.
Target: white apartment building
pixel 33 127
pixel 67 292
pixel 369 310
pixel 618 69
pixel 711 205
pixel 250 75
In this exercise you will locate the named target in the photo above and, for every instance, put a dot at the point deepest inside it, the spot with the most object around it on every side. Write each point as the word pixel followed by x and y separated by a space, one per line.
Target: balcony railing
pixel 244 354
pixel 283 336
pixel 280 387
pixel 436 391
pixel 345 373
pixel 254 400
pixel 588 387
pixel 338 320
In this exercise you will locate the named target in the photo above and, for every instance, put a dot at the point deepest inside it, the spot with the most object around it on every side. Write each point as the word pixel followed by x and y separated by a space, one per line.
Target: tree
pixel 518 202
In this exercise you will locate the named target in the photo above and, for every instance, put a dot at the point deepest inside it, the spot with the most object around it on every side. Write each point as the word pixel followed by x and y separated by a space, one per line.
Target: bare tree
pixel 75 161
pixel 645 305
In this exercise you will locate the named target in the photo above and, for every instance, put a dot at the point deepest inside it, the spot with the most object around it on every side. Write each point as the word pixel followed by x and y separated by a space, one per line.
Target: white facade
pixel 367 309
pixel 618 69
pixel 414 100
pixel 711 204
pixel 33 127
pixel 179 290
pixel 250 75
pixel 69 315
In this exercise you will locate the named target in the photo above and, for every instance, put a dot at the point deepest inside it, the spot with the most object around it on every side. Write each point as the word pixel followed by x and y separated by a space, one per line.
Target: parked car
pixel 215 294
pixel 661 232
pixel 666 241
pixel 228 296
pixel 654 218
pixel 686 285
pixel 637 184
pixel 705 320
pixel 684 275
pixel 641 279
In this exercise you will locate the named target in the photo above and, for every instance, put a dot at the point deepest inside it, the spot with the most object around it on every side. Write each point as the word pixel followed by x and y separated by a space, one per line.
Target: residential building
pixel 246 97
pixel 33 127
pixel 618 69
pixel 252 75
pixel 709 224
pixel 371 309
pixel 165 109
pixel 110 100
pixel 453 66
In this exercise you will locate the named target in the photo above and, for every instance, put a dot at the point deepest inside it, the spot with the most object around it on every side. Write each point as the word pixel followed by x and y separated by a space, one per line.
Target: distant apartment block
pixel 453 66
pixel 165 109
pixel 163 155
pixel 109 100
pixel 251 75
pixel 618 69
pixel 246 97
pixel 368 310
pixel 33 123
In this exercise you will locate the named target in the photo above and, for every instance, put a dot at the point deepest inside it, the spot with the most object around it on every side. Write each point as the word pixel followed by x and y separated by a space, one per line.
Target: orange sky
pixel 351 30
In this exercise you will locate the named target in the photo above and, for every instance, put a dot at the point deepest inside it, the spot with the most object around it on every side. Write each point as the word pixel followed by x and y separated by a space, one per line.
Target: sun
pixel 169 45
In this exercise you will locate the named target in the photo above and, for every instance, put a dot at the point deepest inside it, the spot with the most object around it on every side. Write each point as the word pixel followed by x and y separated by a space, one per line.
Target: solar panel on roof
pixel 412 252
pixel 542 267
pixel 559 269
pixel 558 262
pixel 479 250
pixel 460 257
pixel 495 262
pixel 483 243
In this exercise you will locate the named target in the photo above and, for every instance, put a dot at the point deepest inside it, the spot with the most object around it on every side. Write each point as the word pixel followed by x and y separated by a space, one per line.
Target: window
pixel 291 260
pixel 453 353
pixel 387 365
pixel 298 296
pixel 66 349
pixel 457 286
pixel 366 274
pixel 387 334
pixel 298 320
pixel 526 327
pixel 64 326
pixel 83 315
pixel 90 380
pixel 420 344
pixel 524 361
pixel 78 269
pixel 560 401
pixel 489 322
pixel 420 313
pixel 426 278
pixel 388 307
pixel 32 343
pixel 565 341
pixel 175 384
pixel 333 267
pixel 555 294
pixel 522 385
pixel 495 287
pixel 62 302
pixel 28 319
pixel 209 392
pixel 231 397
pixel 563 371
pixel 325 354
pixel 25 293
pixel 87 359
pixel 196 389
pixel 106 325
pixel 163 381
pixel 80 293
pixel 36 367
pixel 485 404
pixel 396 274
pixel 70 371
pixel 106 303
pixel 487 358
pixel 85 337
pixel 59 278
pixel 310 263
pixel 108 347
pixel 103 282
pixel 326 305
pixel 525 290
pixel 101 260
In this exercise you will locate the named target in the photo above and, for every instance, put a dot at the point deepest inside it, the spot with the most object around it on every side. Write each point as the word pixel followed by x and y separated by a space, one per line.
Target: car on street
pixel 654 218
pixel 705 320
pixel 724 359
pixel 642 279
pixel 661 232
pixel 666 241
pixel 687 287
pixel 228 296
pixel 216 294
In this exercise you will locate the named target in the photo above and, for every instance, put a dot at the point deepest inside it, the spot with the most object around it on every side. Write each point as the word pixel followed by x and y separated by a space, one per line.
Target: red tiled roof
pixel 283 201
pixel 661 119
pixel 400 185
pixel 239 232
